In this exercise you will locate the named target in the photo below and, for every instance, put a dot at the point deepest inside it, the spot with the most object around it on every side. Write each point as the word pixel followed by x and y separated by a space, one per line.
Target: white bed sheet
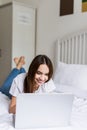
pixel 6 119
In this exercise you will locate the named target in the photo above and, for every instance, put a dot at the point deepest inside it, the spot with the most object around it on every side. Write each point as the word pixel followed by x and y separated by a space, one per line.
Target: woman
pixel 37 80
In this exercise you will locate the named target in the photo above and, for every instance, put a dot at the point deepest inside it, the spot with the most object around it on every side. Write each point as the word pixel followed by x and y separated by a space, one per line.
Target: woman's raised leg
pixel 7 83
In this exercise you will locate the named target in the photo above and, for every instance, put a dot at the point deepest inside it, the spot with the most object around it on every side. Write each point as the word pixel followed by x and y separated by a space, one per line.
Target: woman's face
pixel 41 75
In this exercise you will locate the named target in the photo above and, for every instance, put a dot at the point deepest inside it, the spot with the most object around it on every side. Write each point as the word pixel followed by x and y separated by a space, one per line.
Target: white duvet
pixel 78 120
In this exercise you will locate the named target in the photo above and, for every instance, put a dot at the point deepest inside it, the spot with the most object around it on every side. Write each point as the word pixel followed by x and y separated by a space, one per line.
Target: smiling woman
pixel 36 80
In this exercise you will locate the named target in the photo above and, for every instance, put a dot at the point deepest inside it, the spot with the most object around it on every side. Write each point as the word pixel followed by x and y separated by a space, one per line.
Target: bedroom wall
pixel 51 26
pixel 4 1
pixel 33 3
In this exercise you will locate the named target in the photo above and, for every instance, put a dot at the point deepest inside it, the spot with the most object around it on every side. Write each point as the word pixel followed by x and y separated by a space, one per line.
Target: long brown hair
pixel 37 61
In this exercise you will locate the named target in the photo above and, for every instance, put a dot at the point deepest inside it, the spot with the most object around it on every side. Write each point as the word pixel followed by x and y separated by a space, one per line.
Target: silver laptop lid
pixel 43 110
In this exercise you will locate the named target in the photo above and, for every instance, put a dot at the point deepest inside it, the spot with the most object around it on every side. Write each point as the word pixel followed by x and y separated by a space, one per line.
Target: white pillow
pixel 73 90
pixel 72 75
pixel 4 104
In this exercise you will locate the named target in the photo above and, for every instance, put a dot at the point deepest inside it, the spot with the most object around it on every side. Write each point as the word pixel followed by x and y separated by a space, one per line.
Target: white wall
pixel 33 3
pixel 51 26
pixel 4 1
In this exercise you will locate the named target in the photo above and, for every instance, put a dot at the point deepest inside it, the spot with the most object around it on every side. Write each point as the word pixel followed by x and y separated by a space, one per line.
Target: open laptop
pixel 43 110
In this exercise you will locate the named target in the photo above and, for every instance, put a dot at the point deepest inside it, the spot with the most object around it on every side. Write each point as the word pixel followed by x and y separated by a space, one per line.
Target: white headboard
pixel 72 49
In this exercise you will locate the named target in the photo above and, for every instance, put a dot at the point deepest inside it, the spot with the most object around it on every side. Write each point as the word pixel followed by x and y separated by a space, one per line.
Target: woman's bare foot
pixel 21 62
pixel 16 60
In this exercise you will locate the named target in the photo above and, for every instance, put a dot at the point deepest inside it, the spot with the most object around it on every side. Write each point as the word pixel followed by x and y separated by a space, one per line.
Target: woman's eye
pixel 46 74
pixel 38 72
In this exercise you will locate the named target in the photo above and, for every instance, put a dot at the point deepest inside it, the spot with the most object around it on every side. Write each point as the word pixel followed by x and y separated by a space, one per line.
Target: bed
pixel 70 76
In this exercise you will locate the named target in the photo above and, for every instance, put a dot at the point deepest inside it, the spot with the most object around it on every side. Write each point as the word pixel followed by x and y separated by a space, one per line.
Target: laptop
pixel 43 110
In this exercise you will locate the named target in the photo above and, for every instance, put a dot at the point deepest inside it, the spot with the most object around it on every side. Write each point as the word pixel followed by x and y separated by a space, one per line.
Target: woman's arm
pixel 12 107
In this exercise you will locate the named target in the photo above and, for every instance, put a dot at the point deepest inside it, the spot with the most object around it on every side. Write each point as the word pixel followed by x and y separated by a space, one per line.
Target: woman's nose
pixel 42 77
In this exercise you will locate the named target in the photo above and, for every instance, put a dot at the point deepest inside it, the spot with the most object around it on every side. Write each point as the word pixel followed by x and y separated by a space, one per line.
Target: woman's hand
pixel 12 107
